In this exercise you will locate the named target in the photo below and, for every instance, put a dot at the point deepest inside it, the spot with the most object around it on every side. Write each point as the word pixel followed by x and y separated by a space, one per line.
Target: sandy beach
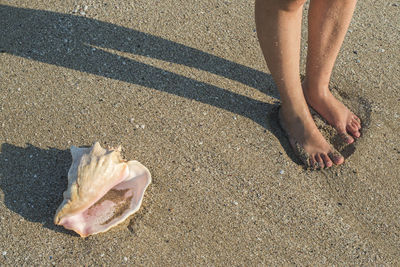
pixel 184 88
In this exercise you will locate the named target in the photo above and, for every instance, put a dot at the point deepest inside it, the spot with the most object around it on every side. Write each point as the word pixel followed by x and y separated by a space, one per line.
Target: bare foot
pixel 338 115
pixel 306 139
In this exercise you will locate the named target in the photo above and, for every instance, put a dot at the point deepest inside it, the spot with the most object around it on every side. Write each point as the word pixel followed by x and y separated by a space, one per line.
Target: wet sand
pixel 183 87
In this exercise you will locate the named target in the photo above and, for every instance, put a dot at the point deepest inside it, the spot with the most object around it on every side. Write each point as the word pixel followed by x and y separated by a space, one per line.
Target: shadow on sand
pixel 32 180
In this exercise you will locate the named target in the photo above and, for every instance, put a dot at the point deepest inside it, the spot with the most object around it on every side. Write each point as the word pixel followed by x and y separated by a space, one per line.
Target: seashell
pixel 103 190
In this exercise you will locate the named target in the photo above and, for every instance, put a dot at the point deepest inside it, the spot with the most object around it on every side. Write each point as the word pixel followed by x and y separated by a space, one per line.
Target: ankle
pixel 295 112
pixel 316 89
pixel 313 95
pixel 298 122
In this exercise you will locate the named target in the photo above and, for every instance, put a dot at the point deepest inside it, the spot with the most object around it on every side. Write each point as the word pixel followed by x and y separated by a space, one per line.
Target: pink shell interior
pixel 114 207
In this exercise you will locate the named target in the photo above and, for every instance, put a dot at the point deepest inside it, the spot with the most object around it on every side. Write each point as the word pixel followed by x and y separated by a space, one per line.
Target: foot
pixel 305 138
pixel 334 112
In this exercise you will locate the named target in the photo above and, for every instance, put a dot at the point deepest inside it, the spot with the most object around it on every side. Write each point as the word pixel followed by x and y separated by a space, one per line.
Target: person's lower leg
pixel 278 28
pixel 328 22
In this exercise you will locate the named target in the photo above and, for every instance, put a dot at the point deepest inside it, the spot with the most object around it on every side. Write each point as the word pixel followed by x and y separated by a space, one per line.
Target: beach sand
pixel 184 88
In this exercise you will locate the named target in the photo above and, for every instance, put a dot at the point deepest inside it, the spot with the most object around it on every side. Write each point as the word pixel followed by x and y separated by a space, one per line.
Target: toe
pixel 356 125
pixel 353 129
pixel 357 119
pixel 336 157
pixel 346 137
pixel 321 164
pixel 312 162
pixel 316 162
pixel 327 160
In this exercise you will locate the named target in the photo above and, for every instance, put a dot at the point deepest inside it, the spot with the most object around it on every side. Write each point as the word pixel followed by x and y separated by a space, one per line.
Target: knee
pixel 287 5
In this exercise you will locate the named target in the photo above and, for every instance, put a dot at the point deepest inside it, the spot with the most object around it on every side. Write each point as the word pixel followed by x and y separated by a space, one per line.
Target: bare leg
pixel 278 29
pixel 328 22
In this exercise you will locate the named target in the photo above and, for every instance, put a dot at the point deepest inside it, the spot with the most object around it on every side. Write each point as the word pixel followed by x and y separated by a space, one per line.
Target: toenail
pixel 346 137
pixel 336 157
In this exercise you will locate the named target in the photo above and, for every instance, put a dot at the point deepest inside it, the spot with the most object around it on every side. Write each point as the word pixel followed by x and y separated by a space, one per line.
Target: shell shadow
pixel 32 180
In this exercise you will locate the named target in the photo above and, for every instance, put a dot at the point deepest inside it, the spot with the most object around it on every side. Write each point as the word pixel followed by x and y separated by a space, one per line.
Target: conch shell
pixel 103 190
